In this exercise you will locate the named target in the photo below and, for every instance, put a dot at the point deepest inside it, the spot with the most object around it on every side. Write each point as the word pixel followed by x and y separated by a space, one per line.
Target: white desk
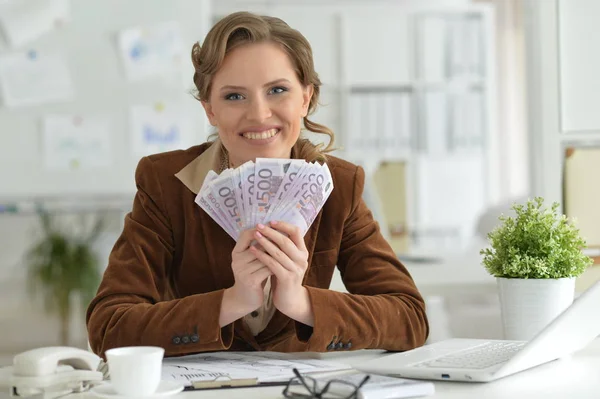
pixel 461 273
pixel 574 377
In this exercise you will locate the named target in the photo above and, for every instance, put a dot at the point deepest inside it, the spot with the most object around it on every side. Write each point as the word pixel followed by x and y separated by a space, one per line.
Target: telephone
pixel 51 372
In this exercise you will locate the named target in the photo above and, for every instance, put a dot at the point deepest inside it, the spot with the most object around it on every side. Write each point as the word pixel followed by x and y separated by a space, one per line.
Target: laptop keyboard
pixel 479 357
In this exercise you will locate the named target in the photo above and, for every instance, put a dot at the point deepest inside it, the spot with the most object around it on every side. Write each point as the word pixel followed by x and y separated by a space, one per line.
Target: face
pixel 257 103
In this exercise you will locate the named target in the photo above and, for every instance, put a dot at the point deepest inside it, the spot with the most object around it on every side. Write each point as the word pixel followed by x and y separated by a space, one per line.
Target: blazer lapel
pixel 310 239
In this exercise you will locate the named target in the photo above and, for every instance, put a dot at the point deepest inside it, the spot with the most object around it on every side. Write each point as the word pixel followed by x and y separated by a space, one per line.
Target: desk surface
pixel 575 377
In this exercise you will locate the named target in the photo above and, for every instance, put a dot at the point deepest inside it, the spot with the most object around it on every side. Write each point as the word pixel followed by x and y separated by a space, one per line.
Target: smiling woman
pixel 256 106
pixel 175 279
pixel 257 81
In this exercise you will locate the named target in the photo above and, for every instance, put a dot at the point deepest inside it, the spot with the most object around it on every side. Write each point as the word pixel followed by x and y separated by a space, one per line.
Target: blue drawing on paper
pixel 139 50
pixel 154 136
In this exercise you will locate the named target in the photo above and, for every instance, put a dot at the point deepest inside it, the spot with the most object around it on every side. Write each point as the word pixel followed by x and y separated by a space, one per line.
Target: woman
pixel 175 279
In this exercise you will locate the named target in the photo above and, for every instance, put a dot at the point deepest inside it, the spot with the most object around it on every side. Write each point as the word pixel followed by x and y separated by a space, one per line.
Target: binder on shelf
pixel 435 124
pixel 390 182
pixel 581 192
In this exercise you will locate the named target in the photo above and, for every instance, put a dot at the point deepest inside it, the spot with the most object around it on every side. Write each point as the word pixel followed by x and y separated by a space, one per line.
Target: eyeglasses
pixel 307 387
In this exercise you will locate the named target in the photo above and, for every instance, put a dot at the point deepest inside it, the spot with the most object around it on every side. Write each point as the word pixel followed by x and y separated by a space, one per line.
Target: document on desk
pixel 378 386
pixel 265 366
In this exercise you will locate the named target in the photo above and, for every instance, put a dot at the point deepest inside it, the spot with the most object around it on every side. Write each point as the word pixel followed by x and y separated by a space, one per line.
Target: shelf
pixel 381 88
pixel 451 85
pixel 581 138
pixel 408 87
pixel 69 204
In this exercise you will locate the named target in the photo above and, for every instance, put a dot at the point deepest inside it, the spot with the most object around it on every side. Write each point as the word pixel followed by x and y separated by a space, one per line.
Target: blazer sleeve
pixel 133 305
pixel 383 309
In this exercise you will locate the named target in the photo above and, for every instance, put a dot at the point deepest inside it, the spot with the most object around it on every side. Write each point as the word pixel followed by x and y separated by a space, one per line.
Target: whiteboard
pixel 88 41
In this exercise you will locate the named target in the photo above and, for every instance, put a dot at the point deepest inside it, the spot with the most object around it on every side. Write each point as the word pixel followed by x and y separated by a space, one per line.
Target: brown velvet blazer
pixel 169 268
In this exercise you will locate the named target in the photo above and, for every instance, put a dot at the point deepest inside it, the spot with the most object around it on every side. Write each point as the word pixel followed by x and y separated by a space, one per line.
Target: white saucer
pixel 165 388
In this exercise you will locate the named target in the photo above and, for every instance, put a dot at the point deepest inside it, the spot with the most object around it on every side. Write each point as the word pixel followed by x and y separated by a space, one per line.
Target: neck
pixel 234 163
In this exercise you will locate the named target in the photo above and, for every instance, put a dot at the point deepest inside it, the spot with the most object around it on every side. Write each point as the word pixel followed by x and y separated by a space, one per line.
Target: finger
pixel 259 276
pixel 250 268
pixel 258 246
pixel 277 269
pixel 255 243
pixel 292 231
pixel 242 258
pixel 246 237
pixel 275 236
pixel 277 253
pixel 284 243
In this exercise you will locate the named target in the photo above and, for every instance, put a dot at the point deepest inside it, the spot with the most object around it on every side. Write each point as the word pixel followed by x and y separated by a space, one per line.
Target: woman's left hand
pixel 285 254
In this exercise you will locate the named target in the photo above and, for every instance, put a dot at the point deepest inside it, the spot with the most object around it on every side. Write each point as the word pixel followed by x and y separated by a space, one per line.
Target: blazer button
pixel 176 340
pixel 348 345
pixel 194 338
pixel 185 339
pixel 339 346
pixel 254 314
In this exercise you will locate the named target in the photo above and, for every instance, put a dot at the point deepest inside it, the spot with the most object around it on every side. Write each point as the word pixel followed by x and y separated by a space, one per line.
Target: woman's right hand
pixel 250 275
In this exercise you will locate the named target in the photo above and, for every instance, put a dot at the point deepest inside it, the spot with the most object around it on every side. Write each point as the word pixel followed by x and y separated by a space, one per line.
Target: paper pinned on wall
pixel 75 142
pixel 435 104
pixel 158 128
pixel 151 51
pixel 26 20
pixel 29 78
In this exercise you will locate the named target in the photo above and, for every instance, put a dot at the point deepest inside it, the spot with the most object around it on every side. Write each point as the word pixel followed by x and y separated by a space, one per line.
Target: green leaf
pixel 536 243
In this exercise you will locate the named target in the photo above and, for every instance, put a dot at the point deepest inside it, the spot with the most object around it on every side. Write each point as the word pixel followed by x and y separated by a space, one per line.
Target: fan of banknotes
pixel 290 190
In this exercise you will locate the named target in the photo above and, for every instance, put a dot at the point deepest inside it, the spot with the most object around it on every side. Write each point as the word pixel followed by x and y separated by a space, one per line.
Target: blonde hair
pixel 242 28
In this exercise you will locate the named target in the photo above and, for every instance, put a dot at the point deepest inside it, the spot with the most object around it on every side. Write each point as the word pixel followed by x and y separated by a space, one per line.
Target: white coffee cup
pixel 135 371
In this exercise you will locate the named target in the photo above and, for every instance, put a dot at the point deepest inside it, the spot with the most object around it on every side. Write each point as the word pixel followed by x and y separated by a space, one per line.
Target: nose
pixel 259 110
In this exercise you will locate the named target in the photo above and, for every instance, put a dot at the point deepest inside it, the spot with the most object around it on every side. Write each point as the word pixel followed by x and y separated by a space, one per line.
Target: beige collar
pixel 193 174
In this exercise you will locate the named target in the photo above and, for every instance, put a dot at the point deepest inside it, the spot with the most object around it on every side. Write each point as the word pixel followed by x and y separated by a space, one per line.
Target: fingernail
pixel 258 234
pixel 273 223
pixel 261 226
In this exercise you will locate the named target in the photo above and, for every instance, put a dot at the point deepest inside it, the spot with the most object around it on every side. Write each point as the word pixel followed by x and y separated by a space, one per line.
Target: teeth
pixel 260 135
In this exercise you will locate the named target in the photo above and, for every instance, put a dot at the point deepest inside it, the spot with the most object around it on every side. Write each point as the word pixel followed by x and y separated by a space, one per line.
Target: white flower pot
pixel 529 305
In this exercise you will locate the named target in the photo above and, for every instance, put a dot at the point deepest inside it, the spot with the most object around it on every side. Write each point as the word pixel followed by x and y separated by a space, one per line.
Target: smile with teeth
pixel 260 135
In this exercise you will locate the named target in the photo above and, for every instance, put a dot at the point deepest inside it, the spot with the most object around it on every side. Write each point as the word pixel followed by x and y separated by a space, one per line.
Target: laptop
pixel 487 360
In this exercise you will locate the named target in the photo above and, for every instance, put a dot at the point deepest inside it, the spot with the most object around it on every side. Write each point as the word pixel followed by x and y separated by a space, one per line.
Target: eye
pixel 234 97
pixel 278 90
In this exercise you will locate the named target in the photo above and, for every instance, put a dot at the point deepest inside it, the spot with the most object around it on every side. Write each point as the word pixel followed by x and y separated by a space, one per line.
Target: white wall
pixel 562 88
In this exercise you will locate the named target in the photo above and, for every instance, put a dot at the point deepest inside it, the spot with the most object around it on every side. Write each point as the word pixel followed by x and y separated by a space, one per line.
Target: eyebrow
pixel 229 87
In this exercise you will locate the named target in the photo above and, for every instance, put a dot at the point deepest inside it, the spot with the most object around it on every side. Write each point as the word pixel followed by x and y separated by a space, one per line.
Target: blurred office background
pixel 455 109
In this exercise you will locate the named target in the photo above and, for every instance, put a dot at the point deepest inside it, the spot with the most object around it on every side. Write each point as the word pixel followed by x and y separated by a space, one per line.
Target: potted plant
pixel 63 267
pixel 535 256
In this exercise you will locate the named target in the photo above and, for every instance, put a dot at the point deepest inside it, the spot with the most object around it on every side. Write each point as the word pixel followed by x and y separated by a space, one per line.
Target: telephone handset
pixel 51 371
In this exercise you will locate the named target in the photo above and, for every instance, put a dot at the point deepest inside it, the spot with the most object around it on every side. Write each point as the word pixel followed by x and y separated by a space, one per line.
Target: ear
pixel 209 112
pixel 307 94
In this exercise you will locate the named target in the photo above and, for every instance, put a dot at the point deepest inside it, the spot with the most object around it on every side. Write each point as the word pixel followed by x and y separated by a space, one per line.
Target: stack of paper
pixel 378 386
pixel 290 190
pixel 266 367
